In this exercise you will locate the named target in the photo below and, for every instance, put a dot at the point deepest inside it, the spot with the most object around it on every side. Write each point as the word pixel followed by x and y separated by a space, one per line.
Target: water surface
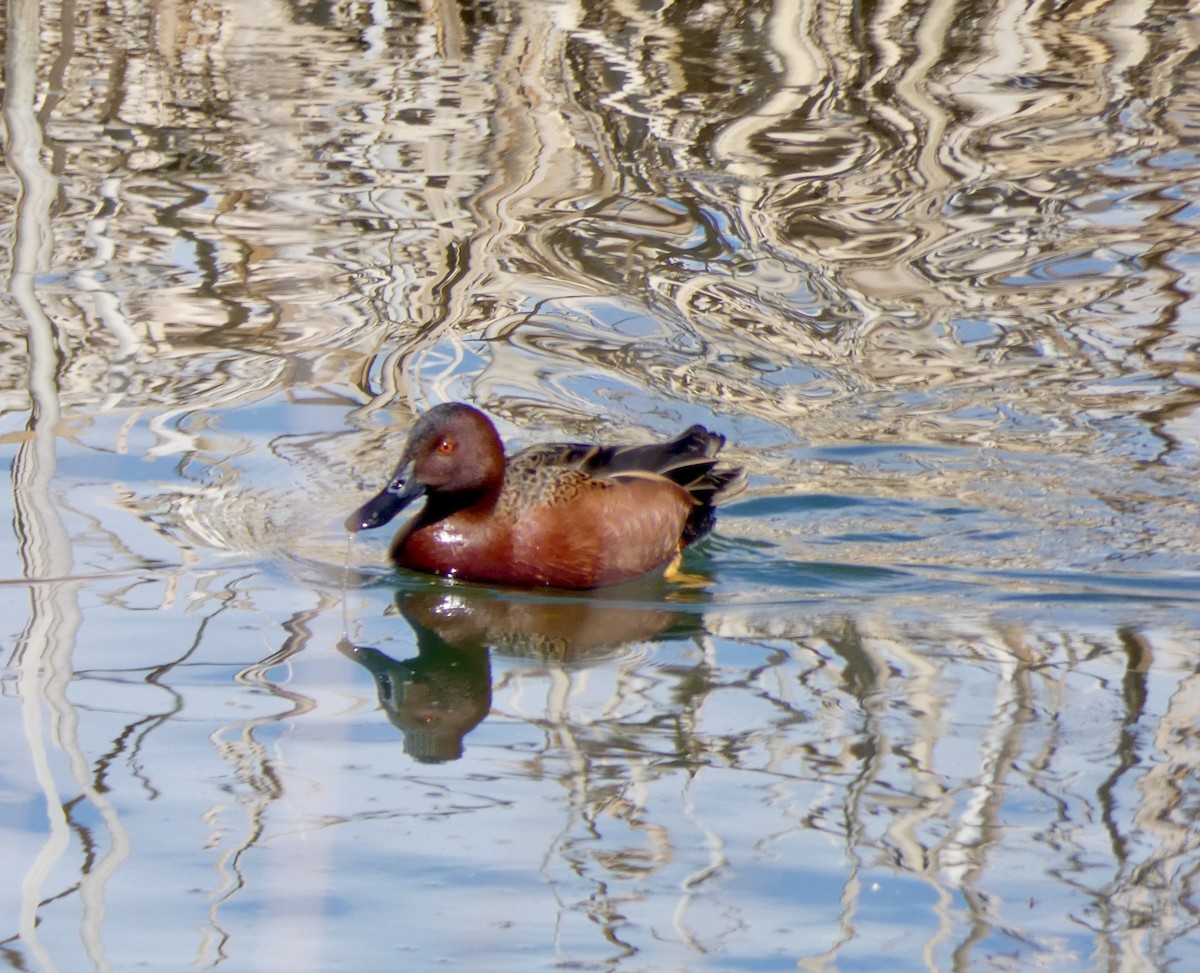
pixel 928 699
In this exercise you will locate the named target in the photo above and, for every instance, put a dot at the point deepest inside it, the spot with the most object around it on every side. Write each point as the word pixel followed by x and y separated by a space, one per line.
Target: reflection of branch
pixel 46 645
pixel 141 729
pixel 44 545
pixel 253 766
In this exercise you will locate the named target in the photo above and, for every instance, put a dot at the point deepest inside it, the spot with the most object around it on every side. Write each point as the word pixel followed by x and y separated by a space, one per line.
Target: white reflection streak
pixel 45 647
pixel 45 551
pixel 690 888
pixel 718 861
pixel 929 728
pixel 89 279
pixel 557 713
pixel 912 88
pixel 801 66
pixel 961 861
pixel 1160 883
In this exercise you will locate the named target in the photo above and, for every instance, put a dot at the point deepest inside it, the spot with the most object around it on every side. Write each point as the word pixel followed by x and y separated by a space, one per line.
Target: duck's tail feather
pixel 688 460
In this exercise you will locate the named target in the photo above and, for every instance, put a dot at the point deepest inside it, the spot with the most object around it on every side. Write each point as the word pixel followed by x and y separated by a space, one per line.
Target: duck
pixel 557 515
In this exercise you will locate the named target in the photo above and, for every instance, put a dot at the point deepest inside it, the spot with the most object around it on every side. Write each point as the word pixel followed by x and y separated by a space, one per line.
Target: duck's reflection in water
pixel 438 697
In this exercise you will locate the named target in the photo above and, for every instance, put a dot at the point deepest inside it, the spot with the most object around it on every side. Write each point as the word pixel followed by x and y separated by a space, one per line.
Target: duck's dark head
pixel 453 454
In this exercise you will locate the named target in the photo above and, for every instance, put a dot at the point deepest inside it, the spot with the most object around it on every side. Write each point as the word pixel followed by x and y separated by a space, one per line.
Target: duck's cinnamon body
pixel 567 516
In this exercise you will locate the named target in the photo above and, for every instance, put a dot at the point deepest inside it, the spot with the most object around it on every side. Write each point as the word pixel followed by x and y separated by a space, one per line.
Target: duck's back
pixel 552 472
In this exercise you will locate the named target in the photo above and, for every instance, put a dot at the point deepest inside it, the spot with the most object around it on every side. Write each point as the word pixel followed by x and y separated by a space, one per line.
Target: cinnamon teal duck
pixel 565 515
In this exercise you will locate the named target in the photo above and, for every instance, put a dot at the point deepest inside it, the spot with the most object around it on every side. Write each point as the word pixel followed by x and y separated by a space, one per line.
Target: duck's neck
pixel 439 506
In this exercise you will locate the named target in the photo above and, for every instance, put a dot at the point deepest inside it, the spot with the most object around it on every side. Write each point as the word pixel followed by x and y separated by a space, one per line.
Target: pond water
pixel 928 699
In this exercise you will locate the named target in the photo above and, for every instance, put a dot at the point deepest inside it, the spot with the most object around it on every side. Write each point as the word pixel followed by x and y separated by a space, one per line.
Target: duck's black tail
pixel 688 460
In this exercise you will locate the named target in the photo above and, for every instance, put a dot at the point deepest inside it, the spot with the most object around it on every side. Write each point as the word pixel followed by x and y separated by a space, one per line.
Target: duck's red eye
pixel 445 446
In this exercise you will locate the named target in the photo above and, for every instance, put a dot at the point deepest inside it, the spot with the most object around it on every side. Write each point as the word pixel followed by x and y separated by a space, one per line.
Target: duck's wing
pixel 688 460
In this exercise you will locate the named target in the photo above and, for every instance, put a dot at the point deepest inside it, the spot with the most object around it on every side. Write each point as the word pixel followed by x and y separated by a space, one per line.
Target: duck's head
pixel 453 453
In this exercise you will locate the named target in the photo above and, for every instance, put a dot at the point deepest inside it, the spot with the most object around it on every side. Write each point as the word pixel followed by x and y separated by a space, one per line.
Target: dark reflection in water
pixel 437 698
pixel 931 266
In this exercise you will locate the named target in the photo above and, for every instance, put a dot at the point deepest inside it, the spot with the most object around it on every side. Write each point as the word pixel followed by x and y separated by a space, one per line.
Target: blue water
pixel 924 701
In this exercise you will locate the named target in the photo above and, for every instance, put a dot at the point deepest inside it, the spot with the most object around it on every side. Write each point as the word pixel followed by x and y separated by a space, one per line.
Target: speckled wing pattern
pixel 554 473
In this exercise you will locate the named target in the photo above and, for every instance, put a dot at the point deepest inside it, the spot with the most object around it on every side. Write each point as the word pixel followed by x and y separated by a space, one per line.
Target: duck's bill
pixel 382 507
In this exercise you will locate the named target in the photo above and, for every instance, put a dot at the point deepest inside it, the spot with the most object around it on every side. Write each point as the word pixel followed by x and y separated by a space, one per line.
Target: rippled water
pixel 930 699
